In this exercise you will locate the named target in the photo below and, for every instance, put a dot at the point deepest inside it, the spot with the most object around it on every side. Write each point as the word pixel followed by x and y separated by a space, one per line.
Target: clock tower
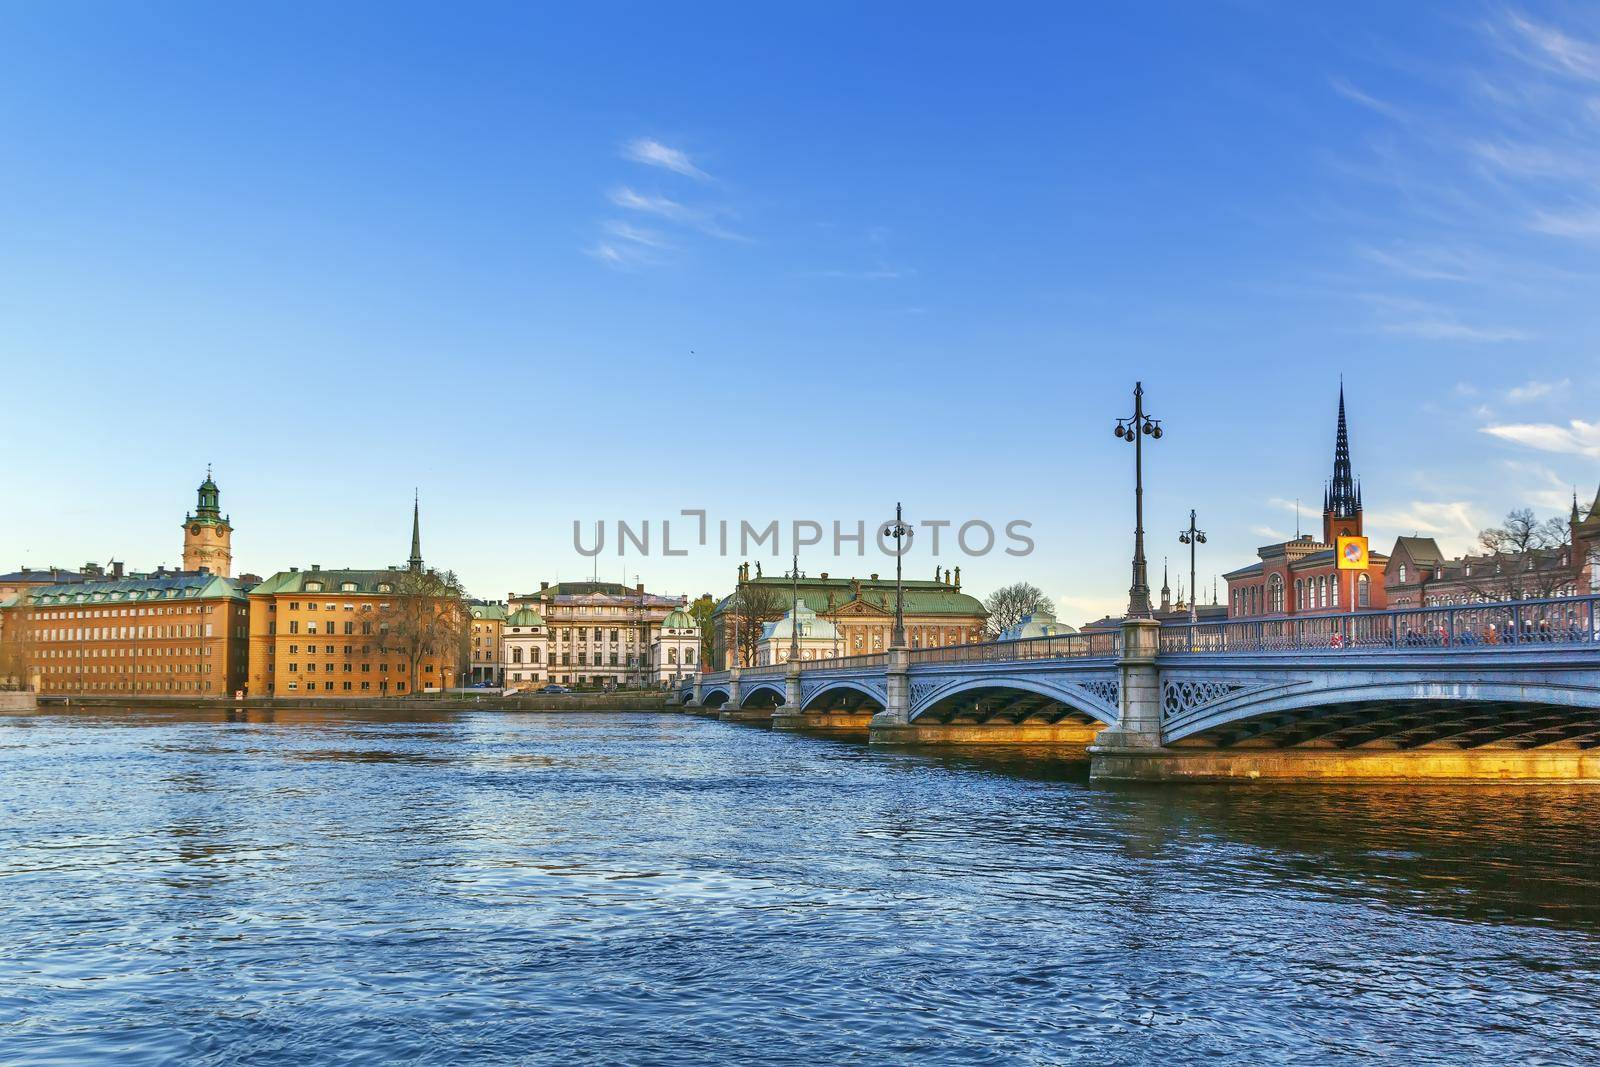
pixel 207 534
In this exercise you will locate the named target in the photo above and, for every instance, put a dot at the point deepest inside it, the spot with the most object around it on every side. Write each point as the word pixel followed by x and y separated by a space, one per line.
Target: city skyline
pixel 817 281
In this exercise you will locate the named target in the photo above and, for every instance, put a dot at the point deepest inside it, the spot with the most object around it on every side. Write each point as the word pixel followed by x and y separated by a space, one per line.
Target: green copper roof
pixel 490 611
pixel 137 590
pixel 678 619
pixel 525 617
pixel 826 595
pixel 330 581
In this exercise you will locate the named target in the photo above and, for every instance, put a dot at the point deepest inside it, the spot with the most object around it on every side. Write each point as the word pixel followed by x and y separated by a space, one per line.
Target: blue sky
pixel 606 263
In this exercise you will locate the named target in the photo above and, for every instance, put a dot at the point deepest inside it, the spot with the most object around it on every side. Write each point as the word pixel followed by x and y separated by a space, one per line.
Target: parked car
pixel 555 689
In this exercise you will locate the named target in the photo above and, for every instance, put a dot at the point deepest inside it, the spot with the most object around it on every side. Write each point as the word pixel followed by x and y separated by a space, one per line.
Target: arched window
pixel 1275 594
pixel 1333 590
pixel 672 656
pixel 1299 594
pixel 1594 570
pixel 1402 572
pixel 688 655
pixel 1363 592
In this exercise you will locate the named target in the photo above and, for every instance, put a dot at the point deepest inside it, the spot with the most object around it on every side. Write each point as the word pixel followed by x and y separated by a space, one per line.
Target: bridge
pixel 1507 690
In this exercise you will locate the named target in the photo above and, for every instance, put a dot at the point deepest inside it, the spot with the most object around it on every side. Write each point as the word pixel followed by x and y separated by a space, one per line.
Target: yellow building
pixel 486 646
pixel 207 534
pixel 325 633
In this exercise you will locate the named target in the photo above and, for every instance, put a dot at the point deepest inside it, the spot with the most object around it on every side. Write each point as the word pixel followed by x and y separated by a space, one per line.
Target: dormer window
pixel 385 587
pixel 313 587
pixel 347 587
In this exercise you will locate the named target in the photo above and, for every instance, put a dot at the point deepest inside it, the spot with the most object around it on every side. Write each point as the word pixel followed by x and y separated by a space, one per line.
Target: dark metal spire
pixel 416 533
pixel 1344 501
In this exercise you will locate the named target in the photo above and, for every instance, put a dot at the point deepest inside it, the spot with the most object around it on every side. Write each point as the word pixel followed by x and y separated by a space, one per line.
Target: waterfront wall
pixel 14 701
pixel 556 702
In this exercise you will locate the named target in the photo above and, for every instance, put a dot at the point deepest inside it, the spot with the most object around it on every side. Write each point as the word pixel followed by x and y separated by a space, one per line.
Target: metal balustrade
pixel 1572 621
pixel 1106 643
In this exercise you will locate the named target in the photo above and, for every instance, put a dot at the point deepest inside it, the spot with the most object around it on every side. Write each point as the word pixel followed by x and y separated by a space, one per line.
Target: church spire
pixel 1166 592
pixel 415 561
pixel 1341 508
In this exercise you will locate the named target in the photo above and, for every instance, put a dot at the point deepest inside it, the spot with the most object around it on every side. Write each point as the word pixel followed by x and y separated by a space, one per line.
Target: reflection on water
pixel 301 887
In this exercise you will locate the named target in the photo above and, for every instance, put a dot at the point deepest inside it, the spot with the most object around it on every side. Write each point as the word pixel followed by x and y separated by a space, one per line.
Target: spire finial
pixel 415 562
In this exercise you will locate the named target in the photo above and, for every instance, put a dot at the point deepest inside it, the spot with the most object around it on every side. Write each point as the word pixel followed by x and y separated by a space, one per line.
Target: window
pixel 1275 594
pixel 1363 592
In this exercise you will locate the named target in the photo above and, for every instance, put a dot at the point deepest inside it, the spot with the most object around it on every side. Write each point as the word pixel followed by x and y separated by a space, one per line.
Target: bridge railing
pixel 1062 646
pixel 1512 623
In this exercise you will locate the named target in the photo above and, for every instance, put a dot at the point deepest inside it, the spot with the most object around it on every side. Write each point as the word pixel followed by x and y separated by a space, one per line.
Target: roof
pixel 183 586
pixel 811 627
pixel 678 619
pixel 51 575
pixel 1420 549
pixel 925 597
pixel 365 581
pixel 483 609
pixel 599 593
pixel 525 617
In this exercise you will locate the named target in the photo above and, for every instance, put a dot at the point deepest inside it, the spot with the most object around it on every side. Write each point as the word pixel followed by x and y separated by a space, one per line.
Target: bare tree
pixel 750 608
pixel 426 617
pixel 1521 558
pixel 1010 604
pixel 16 644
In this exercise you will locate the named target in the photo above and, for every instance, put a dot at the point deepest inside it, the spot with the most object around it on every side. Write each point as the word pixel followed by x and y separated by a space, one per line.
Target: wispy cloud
pixel 1537 484
pixel 1448 518
pixel 626 231
pixel 703 219
pixel 653 153
pixel 1554 50
pixel 1371 103
pixel 1579 223
pixel 1577 437
pixel 1442 330
pixel 1534 390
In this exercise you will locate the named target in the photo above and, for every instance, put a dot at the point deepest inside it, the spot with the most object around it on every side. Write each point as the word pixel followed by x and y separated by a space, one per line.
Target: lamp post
pixel 898 638
pixel 1192 537
pixel 1133 430
pixel 794 611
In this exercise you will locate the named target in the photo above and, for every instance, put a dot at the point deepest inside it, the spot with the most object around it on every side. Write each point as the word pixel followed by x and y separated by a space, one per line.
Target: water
pixel 484 888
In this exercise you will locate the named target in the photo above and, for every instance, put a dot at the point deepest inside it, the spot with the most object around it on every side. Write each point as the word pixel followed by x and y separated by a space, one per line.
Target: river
pixel 304 888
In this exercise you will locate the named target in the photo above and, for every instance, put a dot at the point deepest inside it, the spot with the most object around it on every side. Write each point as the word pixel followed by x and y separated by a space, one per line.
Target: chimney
pixel 543 586
pixel 294 570
pixel 116 568
pixel 874 576
pixel 824 575
pixel 316 566
pixel 639 589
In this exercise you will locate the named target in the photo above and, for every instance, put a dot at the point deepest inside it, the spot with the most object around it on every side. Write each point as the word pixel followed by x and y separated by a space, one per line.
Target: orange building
pixel 166 633
pixel 321 633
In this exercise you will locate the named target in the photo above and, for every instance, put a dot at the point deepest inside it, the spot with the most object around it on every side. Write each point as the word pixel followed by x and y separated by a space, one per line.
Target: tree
pixel 750 608
pixel 16 644
pixel 426 617
pixel 1009 604
pixel 1523 557
pixel 701 610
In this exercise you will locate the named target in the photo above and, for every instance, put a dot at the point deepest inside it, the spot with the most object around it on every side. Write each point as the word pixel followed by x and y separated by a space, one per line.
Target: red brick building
pixel 1420 576
pixel 1301 577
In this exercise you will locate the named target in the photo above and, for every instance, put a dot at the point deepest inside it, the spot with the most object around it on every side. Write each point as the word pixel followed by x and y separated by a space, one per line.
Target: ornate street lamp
pixel 794 612
pixel 1134 430
pixel 1192 537
pixel 897 531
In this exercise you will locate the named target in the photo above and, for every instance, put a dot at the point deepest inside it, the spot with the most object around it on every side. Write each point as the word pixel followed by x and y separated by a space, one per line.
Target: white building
pixel 1041 623
pixel 597 634
pixel 819 639
pixel 675 653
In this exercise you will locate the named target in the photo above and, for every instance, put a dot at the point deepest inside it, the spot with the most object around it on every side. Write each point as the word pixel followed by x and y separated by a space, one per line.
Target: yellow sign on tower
pixel 1352 553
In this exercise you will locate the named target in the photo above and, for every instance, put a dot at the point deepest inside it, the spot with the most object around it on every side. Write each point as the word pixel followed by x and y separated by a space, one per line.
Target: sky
pixel 557 264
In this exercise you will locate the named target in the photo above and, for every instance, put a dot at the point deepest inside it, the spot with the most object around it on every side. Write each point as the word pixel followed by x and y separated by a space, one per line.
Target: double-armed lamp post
pixel 1192 537
pixel 897 531
pixel 1134 430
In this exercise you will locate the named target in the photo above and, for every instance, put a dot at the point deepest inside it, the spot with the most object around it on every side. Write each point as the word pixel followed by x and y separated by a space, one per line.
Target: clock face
pixel 195 529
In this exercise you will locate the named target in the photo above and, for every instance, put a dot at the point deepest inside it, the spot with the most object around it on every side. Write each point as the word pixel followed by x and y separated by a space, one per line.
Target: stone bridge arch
pixel 1370 710
pixel 762 694
pixel 1016 699
pixel 842 694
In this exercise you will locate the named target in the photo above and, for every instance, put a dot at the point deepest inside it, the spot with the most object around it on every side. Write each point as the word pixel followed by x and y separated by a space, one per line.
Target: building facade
pixel 817 638
pixel 1419 575
pixel 675 651
pixel 594 634
pixel 486 651
pixel 861 612
pixel 318 633
pixel 1302 577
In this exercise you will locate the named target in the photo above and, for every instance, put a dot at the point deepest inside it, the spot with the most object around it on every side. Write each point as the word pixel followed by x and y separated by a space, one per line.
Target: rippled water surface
pixel 477 888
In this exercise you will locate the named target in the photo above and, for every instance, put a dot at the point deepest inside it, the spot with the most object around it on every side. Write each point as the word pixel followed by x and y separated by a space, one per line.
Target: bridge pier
pixel 827 720
pixel 694 696
pixel 1139 695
